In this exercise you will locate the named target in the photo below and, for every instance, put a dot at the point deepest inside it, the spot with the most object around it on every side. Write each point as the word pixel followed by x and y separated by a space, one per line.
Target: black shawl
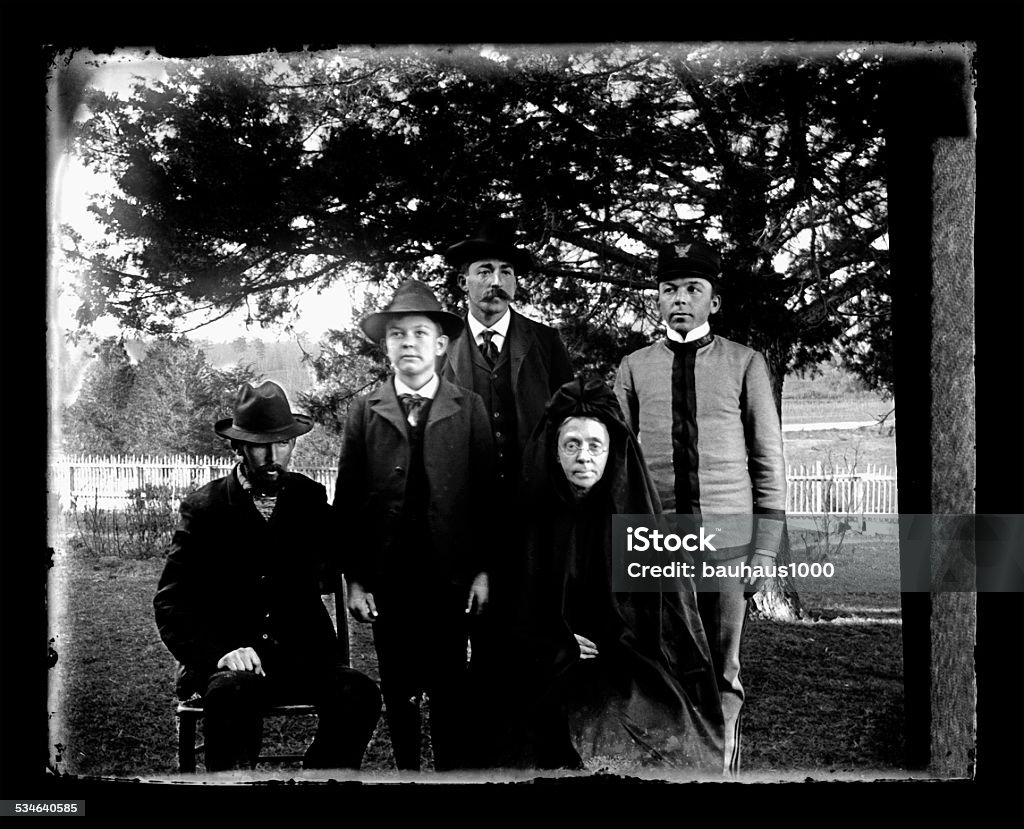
pixel 650 695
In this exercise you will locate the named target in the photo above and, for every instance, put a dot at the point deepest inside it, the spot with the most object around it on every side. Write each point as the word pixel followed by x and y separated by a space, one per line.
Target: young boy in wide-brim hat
pixel 414 475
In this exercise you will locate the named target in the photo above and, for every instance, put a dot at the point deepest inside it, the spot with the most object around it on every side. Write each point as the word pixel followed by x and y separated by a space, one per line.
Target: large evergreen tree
pixel 243 180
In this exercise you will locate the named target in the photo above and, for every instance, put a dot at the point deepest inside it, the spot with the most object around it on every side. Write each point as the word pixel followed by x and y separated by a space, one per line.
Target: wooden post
pixel 954 612
pixel 930 155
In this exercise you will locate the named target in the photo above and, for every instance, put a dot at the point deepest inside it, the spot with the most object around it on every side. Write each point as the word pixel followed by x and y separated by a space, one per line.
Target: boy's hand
pixel 478 593
pixel 361 604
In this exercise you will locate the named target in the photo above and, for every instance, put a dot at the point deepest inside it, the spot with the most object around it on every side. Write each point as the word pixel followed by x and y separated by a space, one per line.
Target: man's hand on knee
pixel 242 659
pixel 360 603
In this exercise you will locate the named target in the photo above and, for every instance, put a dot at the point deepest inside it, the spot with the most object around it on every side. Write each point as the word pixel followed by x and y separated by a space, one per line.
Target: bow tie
pixel 411 404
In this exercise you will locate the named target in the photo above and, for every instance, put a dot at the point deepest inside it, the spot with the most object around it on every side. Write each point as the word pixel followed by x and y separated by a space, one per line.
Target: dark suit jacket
pixel 540 364
pixel 373 473
pixel 233 579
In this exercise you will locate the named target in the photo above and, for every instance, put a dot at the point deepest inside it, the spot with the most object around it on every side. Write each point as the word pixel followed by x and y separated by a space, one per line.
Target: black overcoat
pixel 373 473
pixel 233 579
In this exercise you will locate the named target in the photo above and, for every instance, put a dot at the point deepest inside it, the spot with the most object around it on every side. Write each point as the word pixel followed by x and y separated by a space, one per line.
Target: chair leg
pixel 186 743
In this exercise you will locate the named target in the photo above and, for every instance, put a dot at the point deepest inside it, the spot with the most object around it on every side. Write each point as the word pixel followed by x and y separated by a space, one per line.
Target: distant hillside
pixel 277 361
pixel 831 394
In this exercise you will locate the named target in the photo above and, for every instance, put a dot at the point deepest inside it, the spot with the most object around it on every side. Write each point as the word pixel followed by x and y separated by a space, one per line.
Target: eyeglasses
pixel 572 448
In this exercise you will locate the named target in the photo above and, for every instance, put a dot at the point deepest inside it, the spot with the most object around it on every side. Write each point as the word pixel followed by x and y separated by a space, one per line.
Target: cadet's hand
pixel 762 560
pixel 361 604
pixel 242 659
pixel 478 593
pixel 588 650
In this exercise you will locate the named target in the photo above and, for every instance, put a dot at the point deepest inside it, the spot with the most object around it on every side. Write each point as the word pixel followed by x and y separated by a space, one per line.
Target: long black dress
pixel 649 697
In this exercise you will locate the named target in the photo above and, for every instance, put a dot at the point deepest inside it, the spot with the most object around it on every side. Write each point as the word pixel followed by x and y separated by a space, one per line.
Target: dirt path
pixel 836 424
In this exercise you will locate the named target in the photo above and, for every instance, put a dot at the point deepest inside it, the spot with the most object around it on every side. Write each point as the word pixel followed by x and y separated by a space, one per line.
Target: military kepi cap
pixel 412 297
pixel 694 259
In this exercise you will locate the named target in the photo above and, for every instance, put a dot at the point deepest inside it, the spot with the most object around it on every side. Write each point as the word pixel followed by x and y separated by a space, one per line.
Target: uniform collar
pixel 701 330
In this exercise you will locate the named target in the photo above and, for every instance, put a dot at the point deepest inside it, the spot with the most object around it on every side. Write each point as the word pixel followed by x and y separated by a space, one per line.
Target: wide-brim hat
pixel 263 415
pixel 693 259
pixel 412 297
pixel 495 239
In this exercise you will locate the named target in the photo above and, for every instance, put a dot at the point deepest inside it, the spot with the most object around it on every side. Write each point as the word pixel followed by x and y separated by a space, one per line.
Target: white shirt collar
pixel 427 390
pixel 500 328
pixel 695 334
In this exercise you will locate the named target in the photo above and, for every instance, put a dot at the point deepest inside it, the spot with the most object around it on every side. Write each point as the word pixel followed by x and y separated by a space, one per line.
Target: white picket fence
pixel 89 481
pixel 819 489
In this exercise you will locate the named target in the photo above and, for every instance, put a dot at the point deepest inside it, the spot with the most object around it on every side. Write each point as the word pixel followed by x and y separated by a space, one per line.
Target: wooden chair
pixel 189 712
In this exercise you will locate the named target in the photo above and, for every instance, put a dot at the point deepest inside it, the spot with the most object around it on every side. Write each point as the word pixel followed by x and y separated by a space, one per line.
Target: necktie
pixel 488 348
pixel 412 403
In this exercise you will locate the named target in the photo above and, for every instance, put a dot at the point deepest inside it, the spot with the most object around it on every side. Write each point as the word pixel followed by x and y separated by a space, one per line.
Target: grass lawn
pixel 826 693
pixel 856 406
pixel 841 448
pixel 829 398
pixel 822 695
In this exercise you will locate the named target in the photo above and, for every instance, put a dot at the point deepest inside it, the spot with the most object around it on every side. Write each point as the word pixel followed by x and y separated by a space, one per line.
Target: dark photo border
pixel 992 798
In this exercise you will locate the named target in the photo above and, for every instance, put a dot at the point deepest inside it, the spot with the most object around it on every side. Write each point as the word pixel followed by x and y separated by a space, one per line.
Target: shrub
pixel 142 530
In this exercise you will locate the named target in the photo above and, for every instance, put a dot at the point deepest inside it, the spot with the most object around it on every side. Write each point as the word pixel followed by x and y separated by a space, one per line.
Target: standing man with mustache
pixel 238 603
pixel 703 410
pixel 512 362
pixel 515 365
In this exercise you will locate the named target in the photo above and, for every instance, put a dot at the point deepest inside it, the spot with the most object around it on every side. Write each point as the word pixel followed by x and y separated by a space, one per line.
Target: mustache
pixel 269 468
pixel 497 293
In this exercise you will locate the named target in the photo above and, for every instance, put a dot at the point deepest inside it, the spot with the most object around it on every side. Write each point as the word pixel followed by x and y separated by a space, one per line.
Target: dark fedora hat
pixel 496 239
pixel 688 258
pixel 412 297
pixel 262 415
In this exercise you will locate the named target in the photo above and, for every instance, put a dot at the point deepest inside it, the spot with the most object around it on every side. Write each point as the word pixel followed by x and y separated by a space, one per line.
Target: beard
pixel 265 482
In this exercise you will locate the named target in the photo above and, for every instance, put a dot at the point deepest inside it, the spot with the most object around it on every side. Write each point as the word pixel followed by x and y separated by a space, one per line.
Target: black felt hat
pixel 412 297
pixel 263 415
pixel 495 239
pixel 694 259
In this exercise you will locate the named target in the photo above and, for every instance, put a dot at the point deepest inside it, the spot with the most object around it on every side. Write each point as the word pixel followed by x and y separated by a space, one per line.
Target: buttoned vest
pixel 417 495
pixel 494 385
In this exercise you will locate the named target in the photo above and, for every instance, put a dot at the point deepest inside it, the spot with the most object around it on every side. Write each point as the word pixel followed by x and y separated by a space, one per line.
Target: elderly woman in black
pixel 614 676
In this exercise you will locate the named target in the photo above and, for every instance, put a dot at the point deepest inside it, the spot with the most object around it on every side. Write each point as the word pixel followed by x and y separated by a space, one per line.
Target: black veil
pixel 650 695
